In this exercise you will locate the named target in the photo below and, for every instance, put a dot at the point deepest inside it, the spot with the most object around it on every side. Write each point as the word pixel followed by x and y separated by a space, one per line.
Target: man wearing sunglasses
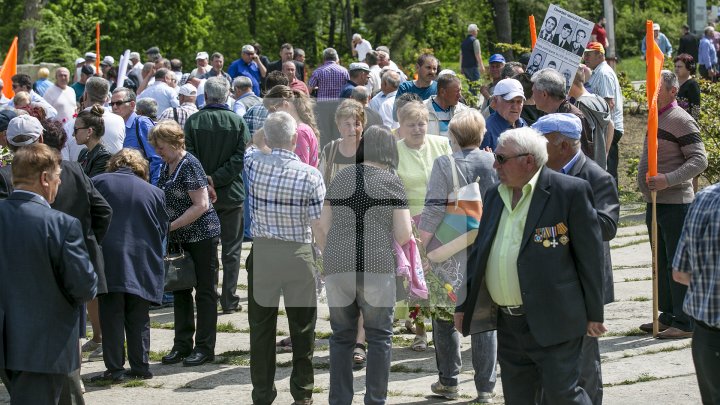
pixel 564 132
pixel 507 101
pixel 535 273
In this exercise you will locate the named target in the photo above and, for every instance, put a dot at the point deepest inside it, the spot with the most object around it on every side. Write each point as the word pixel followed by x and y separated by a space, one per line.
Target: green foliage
pixel 630 26
pixel 517 49
pixel 53 40
pixel 634 100
pixel 709 123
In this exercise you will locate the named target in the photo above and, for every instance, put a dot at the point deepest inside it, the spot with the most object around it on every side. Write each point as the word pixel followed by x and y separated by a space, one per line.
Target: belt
pixel 518 310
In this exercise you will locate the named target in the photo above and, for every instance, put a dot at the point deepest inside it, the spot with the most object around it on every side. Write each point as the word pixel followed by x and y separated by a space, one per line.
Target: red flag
pixel 654 60
pixel 533 31
pixel 9 69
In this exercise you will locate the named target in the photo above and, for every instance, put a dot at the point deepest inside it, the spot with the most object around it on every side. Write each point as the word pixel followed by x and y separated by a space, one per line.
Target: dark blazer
pixel 607 205
pixel 133 246
pixel 568 43
pixel 78 198
pixel 45 277
pixel 561 287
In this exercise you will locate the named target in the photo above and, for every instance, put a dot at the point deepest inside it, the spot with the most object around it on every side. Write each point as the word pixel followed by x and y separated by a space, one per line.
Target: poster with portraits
pixel 560 43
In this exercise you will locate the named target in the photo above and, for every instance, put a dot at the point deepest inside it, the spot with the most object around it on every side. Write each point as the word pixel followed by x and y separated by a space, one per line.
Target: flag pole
pixel 533 31
pixel 653 244
pixel 97 48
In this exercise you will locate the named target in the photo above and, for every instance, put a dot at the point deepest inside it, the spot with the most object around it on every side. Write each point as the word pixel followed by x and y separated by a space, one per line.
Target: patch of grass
pixel 321 366
pixel 281 312
pixel 404 394
pixel 633 66
pixel 242 286
pixel 135 384
pixel 655 351
pixel 233 360
pixel 158 325
pixel 236 352
pixel 631 243
pixel 282 333
pixel 402 368
pixel 322 348
pixel 644 377
pixel 632 266
pixel 157 356
pixel 630 279
pixel 323 335
pixel 626 223
pixel 244 330
pixel 640 299
pixel 317 390
pixel 629 332
pixel 402 341
pixel 227 327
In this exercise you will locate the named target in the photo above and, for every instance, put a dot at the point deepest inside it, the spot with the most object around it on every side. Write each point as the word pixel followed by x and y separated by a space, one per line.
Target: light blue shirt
pixel 707 56
pixel 164 95
pixel 569 165
pixel 605 84
pixel 662 42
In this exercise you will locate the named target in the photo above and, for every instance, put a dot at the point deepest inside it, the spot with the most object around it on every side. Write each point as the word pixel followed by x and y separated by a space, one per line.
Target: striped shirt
pixel 185 110
pixel 698 253
pixel 330 78
pixel 284 196
pixel 255 118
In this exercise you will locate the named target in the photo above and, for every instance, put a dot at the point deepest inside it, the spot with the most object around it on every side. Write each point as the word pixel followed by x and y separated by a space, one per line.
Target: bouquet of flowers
pixel 5 156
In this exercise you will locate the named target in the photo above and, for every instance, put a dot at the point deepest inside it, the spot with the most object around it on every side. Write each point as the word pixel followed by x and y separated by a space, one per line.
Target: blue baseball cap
pixel 565 123
pixel 497 58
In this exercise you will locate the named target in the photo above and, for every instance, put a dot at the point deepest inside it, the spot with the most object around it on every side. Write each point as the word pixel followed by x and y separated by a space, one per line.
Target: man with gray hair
pixel 249 65
pixel 563 132
pixel 285 198
pixel 163 90
pixel 147 107
pixel 243 94
pixel 550 95
pixel 329 78
pixel 217 137
pixel 681 156
pixel 384 101
pixel 360 47
pixel 471 63
pixel 362 95
pixel 61 95
pixel 443 106
pixel 537 276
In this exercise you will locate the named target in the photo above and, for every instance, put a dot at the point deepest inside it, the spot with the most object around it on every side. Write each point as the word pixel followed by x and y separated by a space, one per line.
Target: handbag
pixel 459 227
pixel 179 269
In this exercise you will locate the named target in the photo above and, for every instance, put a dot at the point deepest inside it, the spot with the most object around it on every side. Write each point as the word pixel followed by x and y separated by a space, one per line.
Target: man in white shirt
pixel 61 96
pixel 360 47
pixel 163 91
pixel 384 101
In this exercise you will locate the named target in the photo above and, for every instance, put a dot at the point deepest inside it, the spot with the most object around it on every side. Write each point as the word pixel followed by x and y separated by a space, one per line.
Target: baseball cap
pixel 656 27
pixel 564 123
pixel 508 89
pixel 595 46
pixel 153 50
pixel 108 61
pixel 497 58
pixel 187 89
pixel 359 66
pixel 26 125
pixel 90 56
pixel 79 60
pixel 5 117
pixel 201 55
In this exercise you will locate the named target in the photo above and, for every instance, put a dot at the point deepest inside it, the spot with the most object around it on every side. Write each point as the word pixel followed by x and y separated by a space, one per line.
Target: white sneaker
pixel 89 346
pixel 444 390
pixel 97 354
pixel 483 398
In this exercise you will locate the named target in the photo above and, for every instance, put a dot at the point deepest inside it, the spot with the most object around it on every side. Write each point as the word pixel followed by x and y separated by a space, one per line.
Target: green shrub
pixel 709 123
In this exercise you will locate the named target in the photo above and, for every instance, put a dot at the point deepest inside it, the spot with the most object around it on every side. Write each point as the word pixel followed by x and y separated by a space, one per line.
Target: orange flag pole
pixel 97 48
pixel 533 31
pixel 655 59
pixel 9 69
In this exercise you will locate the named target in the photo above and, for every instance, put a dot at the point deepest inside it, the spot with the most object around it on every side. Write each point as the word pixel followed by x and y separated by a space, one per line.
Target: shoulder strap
pixel 175 115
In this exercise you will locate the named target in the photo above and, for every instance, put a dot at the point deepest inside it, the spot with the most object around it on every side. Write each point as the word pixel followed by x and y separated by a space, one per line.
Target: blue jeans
pixel 449 361
pixel 349 294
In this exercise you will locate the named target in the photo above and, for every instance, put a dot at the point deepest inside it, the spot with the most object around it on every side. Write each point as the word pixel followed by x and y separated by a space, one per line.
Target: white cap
pixel 24 125
pixel 656 27
pixel 79 60
pixel 202 55
pixel 90 55
pixel 187 89
pixel 359 66
pixel 447 72
pixel 508 89
pixel 108 60
pixel 134 55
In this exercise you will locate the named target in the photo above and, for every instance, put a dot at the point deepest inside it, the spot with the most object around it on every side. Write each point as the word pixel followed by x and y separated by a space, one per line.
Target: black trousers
pixel 205 299
pixel 527 368
pixel 125 315
pixel 613 158
pixel 231 236
pixel 34 388
pixel 706 357
pixel 590 369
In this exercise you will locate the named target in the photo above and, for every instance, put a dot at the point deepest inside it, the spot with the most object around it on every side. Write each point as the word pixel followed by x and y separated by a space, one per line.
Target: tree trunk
pixel 503 26
pixel 347 22
pixel 308 10
pixel 333 25
pixel 252 18
pixel 26 38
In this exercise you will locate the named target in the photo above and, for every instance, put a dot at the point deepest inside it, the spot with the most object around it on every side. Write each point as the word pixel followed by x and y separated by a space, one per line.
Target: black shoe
pixel 239 308
pixel 138 375
pixel 197 359
pixel 109 376
pixel 173 357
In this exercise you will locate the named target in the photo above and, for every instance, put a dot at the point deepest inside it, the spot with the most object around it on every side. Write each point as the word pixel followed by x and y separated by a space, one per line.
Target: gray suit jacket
pixel 45 276
pixel 561 287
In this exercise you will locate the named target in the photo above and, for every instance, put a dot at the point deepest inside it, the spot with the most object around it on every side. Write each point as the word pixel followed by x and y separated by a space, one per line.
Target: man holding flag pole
pixel 673 155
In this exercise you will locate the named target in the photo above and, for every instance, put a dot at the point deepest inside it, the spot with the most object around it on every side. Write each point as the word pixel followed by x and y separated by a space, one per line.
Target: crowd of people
pixel 358 166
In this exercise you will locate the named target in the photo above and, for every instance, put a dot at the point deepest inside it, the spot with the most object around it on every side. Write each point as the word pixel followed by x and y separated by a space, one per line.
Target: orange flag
pixel 9 69
pixel 655 60
pixel 533 31
pixel 97 47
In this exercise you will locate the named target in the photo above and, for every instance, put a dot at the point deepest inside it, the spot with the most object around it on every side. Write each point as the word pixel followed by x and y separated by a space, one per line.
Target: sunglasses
pixel 501 159
pixel 118 103
pixel 75 129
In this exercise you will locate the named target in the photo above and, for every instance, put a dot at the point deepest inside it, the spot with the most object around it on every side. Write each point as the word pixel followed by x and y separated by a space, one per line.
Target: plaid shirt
pixel 185 110
pixel 330 78
pixel 698 253
pixel 284 195
pixel 255 118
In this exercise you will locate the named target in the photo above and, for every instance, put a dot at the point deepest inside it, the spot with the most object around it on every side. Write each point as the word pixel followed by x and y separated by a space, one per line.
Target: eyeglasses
pixel 75 129
pixel 503 159
pixel 118 103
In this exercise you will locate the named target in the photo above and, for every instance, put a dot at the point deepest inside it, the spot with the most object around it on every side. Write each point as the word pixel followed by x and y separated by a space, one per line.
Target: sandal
pixel 410 327
pixel 284 346
pixel 420 343
pixel 359 356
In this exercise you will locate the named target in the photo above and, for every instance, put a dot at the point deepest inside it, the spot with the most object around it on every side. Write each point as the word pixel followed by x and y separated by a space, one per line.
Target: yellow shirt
pixel 415 166
pixel 501 276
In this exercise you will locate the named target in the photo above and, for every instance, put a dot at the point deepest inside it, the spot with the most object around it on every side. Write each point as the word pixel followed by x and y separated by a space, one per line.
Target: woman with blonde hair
pixel 300 106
